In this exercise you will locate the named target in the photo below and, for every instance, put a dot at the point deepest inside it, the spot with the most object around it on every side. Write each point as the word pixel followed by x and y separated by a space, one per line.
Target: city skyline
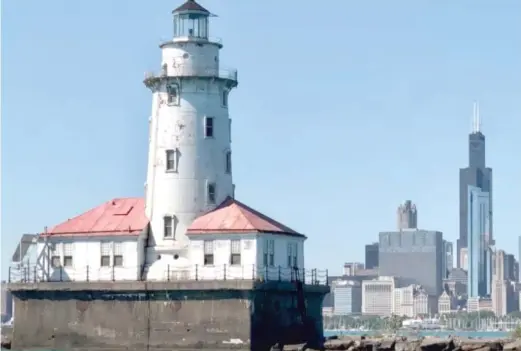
pixel 382 89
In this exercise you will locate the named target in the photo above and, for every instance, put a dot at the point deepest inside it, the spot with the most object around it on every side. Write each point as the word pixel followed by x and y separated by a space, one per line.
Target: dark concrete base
pixel 164 315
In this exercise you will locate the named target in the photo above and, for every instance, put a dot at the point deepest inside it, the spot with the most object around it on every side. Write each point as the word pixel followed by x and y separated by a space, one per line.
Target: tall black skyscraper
pixel 476 174
pixel 371 256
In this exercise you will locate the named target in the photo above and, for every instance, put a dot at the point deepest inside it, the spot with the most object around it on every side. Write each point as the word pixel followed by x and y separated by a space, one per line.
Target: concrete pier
pixel 224 314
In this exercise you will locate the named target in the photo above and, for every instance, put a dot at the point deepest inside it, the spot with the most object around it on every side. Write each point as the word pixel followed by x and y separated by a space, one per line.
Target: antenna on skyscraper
pixel 476 122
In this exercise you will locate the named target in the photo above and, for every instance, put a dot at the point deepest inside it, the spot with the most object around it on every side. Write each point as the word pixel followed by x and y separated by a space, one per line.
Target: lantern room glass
pixel 191 25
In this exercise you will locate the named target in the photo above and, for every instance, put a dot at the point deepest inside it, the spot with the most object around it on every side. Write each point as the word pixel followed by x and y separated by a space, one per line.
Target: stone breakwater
pixel 408 344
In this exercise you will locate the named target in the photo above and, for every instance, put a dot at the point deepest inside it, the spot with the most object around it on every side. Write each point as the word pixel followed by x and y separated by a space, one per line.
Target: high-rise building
pixel 477 174
pixel 447 263
pixel 519 258
pixel 371 256
pixel 347 297
pixel 407 216
pixel 413 255
pixel 378 296
pixel 479 252
pixel 350 268
pixel 502 291
pixel 510 267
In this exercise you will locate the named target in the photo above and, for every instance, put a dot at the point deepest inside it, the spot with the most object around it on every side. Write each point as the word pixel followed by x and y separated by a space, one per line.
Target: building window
pixel 211 193
pixel 230 130
pixel 68 253
pixel 55 255
pixel 172 91
pixel 118 254
pixel 208 127
pixel 168 227
pixel 208 252
pixel 228 165
pixel 171 160
pixel 292 254
pixel 224 98
pixel 105 254
pixel 235 256
pixel 111 254
pixel 164 70
pixel 269 253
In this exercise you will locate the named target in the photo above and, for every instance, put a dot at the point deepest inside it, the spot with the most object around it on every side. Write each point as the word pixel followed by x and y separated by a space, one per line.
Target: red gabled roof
pixel 191 5
pixel 124 216
pixel 233 216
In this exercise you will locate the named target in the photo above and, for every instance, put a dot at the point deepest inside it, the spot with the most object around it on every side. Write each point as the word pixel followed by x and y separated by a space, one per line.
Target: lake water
pixel 439 333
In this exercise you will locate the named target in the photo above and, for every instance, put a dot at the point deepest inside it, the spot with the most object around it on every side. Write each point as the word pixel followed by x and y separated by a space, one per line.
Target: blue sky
pixel 339 115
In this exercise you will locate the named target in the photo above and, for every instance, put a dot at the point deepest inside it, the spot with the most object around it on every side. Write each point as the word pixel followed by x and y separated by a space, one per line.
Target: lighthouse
pixel 189 155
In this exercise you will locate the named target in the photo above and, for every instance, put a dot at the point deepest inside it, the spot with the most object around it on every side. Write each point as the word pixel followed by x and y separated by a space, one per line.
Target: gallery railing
pixel 34 273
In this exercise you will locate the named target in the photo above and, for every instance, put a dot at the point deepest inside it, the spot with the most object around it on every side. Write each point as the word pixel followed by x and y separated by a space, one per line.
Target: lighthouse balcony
pixel 193 39
pixel 192 71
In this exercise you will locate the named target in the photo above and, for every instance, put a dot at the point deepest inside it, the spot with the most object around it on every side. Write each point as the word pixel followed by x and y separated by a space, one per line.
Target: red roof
pixel 233 216
pixel 124 216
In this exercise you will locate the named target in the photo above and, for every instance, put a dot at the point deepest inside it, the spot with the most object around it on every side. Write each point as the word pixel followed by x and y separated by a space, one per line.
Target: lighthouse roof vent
pixel 191 6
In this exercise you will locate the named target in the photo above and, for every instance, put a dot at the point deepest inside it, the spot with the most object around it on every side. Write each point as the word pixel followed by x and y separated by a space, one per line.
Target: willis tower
pixel 477 174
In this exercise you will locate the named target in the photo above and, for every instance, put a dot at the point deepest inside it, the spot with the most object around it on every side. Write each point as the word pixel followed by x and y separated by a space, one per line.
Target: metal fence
pixel 33 273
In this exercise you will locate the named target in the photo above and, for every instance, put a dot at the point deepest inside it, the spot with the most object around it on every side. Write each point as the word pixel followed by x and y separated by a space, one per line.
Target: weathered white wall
pixel 190 58
pixel 87 259
pixel 182 194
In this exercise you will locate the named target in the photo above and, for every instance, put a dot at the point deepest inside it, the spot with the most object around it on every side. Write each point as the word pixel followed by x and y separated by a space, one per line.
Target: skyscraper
pixel 477 174
pixel 447 263
pixel 479 252
pixel 371 256
pixel 519 257
pixel 407 216
pixel 413 255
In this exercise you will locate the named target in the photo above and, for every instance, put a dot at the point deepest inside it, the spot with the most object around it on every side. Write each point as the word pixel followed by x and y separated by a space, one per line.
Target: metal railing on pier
pixel 34 273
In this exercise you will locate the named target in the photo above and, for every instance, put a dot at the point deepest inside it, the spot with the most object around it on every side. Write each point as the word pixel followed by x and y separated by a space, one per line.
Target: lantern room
pixel 191 21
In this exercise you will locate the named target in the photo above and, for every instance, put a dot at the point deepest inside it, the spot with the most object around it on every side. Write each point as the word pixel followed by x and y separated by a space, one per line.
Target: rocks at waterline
pixel 409 344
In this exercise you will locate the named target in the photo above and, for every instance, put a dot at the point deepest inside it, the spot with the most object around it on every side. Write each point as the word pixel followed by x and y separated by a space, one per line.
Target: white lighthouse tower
pixel 189 158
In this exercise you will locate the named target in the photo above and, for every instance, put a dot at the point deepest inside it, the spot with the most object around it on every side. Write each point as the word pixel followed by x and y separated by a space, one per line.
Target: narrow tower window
pixel 171 160
pixel 168 227
pixel 228 161
pixel 224 98
pixel 208 127
pixel 172 91
pixel 211 193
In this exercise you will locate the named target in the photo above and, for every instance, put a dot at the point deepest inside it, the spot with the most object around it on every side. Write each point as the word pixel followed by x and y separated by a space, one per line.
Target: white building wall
pixel 182 193
pixel 253 247
pixel 86 258
pixel 222 268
